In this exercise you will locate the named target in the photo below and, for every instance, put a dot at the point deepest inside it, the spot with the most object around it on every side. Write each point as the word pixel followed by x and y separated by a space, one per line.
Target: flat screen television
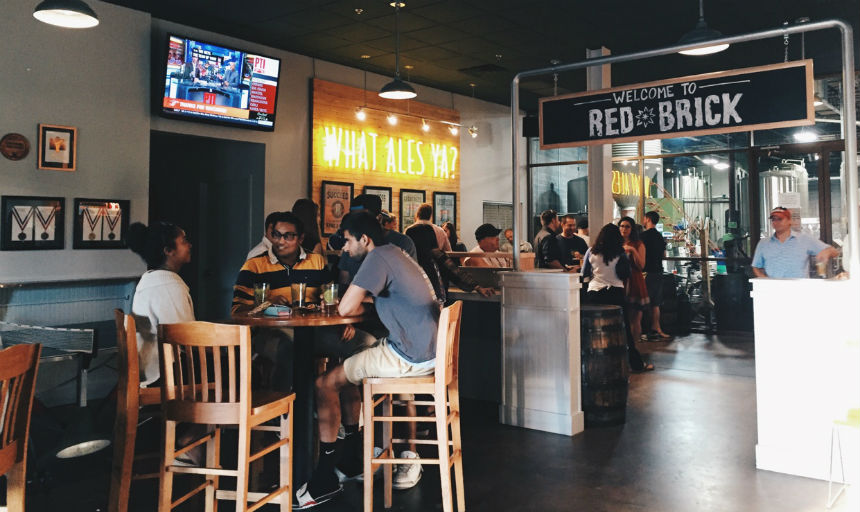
pixel 213 83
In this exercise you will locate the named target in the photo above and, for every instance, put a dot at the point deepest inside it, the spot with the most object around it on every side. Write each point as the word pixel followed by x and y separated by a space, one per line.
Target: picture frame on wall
pixel 335 197
pixel 384 193
pixel 58 147
pixel 410 200
pixel 101 223
pixel 444 208
pixel 32 223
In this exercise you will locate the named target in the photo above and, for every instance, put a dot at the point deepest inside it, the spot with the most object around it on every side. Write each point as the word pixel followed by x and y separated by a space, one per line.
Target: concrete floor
pixel 688 445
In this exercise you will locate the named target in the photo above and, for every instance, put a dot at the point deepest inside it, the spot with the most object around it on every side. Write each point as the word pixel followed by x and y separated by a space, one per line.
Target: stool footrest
pixel 191 493
pixel 202 471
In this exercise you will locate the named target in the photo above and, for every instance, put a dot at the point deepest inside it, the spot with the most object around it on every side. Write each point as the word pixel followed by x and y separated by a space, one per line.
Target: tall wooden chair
pixel 18 367
pixel 193 355
pixel 443 385
pixel 130 397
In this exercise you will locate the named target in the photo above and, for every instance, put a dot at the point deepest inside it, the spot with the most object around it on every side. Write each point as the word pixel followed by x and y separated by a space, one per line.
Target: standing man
pixel 487 236
pixel 423 216
pixel 655 251
pixel 571 246
pixel 582 230
pixel 407 306
pixel 546 248
pixel 785 254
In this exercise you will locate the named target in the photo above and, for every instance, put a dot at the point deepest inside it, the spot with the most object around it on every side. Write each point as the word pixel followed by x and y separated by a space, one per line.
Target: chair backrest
pixel 448 344
pixel 205 371
pixel 18 367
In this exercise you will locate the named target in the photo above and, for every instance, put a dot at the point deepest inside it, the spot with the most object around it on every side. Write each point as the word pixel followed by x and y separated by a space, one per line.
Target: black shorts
pixel 654 283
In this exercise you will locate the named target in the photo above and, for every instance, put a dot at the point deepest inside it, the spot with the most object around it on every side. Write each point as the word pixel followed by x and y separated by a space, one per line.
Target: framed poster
pixel 444 208
pixel 100 223
pixel 58 149
pixel 410 200
pixel 384 193
pixel 335 197
pixel 32 223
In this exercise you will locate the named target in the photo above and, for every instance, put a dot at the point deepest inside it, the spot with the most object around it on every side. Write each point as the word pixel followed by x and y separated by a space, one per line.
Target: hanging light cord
pixel 396 40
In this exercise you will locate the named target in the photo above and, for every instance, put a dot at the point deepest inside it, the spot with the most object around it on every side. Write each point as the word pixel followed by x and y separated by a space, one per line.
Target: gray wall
pixel 99 80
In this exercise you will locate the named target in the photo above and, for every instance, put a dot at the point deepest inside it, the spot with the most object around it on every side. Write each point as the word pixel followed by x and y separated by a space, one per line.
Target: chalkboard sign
pixel 775 96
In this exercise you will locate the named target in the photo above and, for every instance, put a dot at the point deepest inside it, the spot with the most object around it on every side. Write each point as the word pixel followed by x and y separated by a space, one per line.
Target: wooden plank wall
pixel 435 162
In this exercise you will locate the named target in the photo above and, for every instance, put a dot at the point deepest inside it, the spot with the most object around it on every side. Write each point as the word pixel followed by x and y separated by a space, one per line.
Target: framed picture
pixel 410 200
pixel 32 223
pixel 58 149
pixel 335 197
pixel 100 223
pixel 384 193
pixel 444 207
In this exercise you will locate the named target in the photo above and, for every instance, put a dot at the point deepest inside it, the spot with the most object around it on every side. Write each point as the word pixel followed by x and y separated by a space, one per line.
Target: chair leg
pixel 124 438
pixel 367 405
pixel 16 482
pixel 213 447
pixel 387 427
pixel 165 478
pixel 454 400
pixel 244 453
pixel 444 457
pixel 285 453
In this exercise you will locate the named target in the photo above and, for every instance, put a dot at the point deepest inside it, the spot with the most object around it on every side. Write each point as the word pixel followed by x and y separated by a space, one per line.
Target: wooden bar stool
pixel 443 385
pixel 18 367
pixel 193 355
pixel 130 397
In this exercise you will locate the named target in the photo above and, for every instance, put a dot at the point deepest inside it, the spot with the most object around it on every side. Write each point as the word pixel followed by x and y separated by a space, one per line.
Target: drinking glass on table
pixel 329 298
pixel 299 294
pixel 261 292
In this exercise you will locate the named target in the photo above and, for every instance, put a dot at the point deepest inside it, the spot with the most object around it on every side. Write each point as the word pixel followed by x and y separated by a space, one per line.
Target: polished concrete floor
pixel 688 445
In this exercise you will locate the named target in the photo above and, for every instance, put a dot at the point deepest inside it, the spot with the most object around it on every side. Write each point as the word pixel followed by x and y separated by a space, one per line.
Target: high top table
pixel 303 325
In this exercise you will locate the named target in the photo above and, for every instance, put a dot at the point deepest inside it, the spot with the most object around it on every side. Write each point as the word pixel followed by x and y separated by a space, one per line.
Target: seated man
pixel 283 264
pixel 406 305
pixel 487 236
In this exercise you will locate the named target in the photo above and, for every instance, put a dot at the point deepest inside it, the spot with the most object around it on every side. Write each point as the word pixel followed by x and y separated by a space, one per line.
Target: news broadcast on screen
pixel 220 84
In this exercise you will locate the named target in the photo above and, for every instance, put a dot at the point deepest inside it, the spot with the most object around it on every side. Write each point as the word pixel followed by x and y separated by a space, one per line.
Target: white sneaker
pixel 406 476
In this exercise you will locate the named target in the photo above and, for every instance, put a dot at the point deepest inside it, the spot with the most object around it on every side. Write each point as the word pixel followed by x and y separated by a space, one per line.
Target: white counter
pixel 807 355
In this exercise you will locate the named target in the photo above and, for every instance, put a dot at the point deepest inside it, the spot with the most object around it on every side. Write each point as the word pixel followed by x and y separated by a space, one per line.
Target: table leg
pixel 303 384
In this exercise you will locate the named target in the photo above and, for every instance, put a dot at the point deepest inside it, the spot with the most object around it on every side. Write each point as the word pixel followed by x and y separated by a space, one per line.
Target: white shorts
pixel 381 361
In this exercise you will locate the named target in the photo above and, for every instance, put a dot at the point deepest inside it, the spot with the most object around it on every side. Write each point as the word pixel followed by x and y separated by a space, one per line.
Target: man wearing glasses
pixel 785 254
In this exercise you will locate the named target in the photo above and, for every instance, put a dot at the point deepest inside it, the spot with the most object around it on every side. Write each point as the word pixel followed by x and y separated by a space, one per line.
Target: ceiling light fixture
pixel 701 34
pixel 805 135
pixel 392 119
pixel 66 13
pixel 424 125
pixel 397 89
pixel 721 166
pixel 473 131
pixel 360 114
pixel 709 161
pixel 454 129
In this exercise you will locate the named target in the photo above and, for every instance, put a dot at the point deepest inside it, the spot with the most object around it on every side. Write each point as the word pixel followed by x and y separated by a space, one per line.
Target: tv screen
pixel 214 83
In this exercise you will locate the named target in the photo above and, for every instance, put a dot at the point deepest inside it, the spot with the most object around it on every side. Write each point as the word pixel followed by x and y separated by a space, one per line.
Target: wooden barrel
pixel 603 349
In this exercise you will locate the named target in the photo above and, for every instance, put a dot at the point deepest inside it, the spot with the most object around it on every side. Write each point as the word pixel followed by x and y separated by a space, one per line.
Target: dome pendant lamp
pixel 397 89
pixel 700 34
pixel 66 13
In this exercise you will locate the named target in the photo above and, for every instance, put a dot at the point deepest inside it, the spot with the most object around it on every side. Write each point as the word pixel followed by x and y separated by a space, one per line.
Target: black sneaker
pixel 355 472
pixel 303 500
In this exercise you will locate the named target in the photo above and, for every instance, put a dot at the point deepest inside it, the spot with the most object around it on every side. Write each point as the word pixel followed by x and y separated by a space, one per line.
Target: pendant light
pixel 700 34
pixel 397 89
pixel 66 13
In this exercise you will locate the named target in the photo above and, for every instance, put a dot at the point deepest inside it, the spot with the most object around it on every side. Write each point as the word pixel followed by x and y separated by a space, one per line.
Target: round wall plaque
pixel 14 146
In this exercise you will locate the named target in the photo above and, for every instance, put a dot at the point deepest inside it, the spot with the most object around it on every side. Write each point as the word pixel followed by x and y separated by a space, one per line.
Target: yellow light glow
pixel 392 119
pixel 628 183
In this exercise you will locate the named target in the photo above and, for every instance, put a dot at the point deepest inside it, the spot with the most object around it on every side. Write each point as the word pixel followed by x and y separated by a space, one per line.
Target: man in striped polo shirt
pixel 785 254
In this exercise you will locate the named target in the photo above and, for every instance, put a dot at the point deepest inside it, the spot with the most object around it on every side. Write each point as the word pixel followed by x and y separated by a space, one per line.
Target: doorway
pixel 214 189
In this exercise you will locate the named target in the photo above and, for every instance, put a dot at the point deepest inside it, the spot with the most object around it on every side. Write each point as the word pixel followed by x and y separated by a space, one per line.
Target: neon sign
pixel 362 150
pixel 628 184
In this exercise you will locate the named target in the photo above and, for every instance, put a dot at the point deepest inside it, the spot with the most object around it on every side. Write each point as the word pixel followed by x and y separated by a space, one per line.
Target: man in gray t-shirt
pixel 407 306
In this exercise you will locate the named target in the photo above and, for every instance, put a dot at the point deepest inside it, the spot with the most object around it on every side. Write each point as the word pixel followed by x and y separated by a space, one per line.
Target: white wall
pixel 98 81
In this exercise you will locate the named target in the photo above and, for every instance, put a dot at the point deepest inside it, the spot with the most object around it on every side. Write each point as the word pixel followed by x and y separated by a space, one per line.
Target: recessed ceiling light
pixel 359 11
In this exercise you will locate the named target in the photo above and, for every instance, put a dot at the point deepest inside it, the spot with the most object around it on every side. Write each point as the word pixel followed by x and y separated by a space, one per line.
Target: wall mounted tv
pixel 218 84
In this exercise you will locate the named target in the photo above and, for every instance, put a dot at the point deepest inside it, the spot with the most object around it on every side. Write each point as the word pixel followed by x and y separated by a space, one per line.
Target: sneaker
pixel 346 475
pixel 407 476
pixel 303 499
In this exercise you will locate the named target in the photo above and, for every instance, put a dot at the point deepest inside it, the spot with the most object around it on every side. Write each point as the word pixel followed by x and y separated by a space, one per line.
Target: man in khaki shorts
pixel 407 306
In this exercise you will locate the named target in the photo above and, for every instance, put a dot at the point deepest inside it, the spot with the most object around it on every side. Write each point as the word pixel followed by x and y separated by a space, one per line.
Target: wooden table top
pixel 307 319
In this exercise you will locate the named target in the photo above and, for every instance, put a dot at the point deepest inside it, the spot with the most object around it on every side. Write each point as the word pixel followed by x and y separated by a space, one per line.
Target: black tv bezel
pixel 159 96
